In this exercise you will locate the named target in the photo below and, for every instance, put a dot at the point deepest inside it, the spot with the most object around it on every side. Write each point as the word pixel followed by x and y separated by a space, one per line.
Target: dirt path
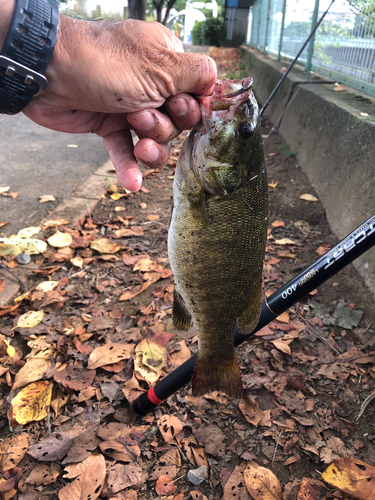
pixel 305 376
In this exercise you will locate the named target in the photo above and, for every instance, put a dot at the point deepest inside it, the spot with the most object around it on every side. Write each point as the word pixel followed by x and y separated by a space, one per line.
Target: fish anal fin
pixel 180 315
pixel 217 375
pixel 250 316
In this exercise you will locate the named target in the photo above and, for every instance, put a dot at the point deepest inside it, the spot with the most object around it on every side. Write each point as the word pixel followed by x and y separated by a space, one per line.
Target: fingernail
pixel 181 106
pixel 144 120
pixel 150 155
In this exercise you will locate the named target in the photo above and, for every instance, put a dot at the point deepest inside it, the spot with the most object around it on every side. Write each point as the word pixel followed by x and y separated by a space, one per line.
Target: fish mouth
pixel 226 93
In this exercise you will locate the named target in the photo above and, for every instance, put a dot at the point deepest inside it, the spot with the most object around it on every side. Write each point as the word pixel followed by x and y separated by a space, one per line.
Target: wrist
pixel 6 14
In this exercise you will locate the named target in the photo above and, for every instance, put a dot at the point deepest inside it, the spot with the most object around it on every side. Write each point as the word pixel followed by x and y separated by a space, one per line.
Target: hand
pixel 109 78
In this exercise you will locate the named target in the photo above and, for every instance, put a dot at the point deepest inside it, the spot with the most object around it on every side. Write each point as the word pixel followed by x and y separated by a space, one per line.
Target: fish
pixel 218 232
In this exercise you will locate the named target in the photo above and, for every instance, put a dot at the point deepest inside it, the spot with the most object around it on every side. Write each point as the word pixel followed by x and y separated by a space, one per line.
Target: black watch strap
pixel 26 53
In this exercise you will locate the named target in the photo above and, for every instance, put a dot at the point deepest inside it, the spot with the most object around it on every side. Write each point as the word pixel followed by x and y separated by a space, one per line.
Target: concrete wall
pixel 336 145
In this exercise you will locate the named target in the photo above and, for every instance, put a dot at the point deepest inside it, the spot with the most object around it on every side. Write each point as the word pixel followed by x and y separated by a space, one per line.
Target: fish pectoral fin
pixel 180 315
pixel 250 316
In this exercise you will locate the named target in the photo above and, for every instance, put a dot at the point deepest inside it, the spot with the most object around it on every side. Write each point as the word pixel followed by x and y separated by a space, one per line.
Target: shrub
pixel 214 31
pixel 197 33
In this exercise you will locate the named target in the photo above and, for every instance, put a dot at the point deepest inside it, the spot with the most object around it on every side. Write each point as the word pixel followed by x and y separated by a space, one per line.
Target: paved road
pixel 35 161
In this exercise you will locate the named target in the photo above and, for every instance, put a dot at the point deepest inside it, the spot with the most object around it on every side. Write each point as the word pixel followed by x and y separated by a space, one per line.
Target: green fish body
pixel 218 231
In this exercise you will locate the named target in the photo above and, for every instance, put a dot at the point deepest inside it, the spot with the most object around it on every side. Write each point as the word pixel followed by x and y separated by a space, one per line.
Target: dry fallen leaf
pixel 169 427
pixel 261 483
pixel 60 240
pixel 41 474
pixel 285 241
pixel 53 448
pixel 165 486
pixel 306 491
pixel 308 197
pixel 108 354
pixel 12 451
pixel 104 245
pixel 32 371
pixel 32 402
pixel 90 480
pixel 46 197
pixel 149 361
pixel 353 477
pixel 30 319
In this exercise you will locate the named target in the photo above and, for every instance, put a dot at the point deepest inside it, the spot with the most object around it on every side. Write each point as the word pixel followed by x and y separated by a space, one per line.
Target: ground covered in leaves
pixel 99 333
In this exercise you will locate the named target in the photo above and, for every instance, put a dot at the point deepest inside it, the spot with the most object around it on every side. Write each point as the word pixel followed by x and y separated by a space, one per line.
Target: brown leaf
pixel 118 451
pixel 89 483
pixel 13 451
pixel 123 476
pixel 213 439
pixel 41 474
pixel 32 371
pixel 169 427
pixel 234 487
pixel 306 491
pixel 197 495
pixel 53 448
pixel 108 354
pixel 74 377
pixel 261 483
pixel 165 486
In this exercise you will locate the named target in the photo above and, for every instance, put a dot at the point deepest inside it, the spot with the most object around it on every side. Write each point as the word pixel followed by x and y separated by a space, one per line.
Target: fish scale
pixel 218 232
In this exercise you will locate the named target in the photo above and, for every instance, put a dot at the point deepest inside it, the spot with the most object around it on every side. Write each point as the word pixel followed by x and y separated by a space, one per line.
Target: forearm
pixel 6 14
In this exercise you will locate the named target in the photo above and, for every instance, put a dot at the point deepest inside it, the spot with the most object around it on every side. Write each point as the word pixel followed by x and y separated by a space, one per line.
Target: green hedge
pixel 209 32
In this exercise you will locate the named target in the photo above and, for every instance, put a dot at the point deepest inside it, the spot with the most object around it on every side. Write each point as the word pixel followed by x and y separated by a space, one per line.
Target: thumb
pixel 194 73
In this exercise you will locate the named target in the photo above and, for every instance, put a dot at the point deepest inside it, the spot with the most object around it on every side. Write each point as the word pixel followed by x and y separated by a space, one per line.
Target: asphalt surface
pixel 35 161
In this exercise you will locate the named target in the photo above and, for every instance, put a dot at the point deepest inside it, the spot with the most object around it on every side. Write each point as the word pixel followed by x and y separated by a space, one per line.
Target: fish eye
pixel 245 130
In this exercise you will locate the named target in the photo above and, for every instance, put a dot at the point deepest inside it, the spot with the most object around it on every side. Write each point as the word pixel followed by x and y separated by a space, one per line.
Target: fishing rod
pixel 349 249
pixel 265 105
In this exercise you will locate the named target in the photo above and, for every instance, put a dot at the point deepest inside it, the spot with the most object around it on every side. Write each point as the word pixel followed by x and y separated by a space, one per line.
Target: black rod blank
pixel 350 248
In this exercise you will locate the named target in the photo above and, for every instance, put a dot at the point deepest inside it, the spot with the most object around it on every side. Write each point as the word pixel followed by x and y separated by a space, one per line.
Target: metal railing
pixel 343 47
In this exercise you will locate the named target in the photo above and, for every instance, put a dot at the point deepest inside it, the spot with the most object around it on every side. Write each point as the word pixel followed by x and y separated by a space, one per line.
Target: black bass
pixel 218 231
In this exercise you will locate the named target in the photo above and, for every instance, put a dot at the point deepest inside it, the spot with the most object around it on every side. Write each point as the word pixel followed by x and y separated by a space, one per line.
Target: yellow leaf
pixel 308 197
pixel 10 349
pixel 77 261
pixel 30 319
pixel 116 196
pixel 47 286
pixel 27 232
pixel 72 146
pixel 60 240
pixel 353 477
pixel 26 245
pixel 7 249
pixel 119 209
pixel 44 198
pixel 285 241
pixel 32 402
pixel 149 361
pixel 261 483
pixel 272 185
pixel 104 245
pixel 4 189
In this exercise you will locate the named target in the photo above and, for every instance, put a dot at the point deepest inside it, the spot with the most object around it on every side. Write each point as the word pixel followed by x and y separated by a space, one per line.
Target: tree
pixel 137 9
pixel 159 6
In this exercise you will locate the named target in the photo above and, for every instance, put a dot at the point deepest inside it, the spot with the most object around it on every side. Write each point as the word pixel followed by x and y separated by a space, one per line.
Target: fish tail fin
pixel 217 375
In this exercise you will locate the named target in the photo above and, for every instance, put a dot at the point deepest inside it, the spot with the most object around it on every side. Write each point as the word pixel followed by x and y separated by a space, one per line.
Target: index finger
pixel 196 73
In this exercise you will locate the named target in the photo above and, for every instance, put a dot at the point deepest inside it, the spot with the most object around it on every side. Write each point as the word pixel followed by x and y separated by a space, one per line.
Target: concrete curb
pixel 332 135
pixel 74 208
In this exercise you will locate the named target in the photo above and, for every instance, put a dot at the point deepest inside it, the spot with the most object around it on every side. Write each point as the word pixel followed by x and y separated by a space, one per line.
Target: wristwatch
pixel 26 52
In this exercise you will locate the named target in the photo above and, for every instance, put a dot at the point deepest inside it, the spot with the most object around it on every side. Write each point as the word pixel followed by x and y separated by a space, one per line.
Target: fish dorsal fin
pixel 180 315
